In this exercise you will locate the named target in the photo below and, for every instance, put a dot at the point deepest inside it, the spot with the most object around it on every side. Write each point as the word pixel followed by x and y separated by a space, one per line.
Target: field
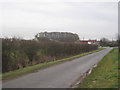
pixel 105 75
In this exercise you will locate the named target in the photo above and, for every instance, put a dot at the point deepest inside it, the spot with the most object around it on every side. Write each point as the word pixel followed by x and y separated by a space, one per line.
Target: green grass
pixel 26 70
pixel 105 75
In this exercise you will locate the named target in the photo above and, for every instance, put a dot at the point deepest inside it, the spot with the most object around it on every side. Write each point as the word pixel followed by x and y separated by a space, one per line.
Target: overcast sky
pixel 91 20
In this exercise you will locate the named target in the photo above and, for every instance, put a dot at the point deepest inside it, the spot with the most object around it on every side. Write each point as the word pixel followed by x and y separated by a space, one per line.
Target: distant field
pixel 105 75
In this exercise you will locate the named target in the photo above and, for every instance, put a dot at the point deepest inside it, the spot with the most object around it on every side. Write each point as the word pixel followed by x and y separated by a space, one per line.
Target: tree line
pixel 57 36
pixel 104 42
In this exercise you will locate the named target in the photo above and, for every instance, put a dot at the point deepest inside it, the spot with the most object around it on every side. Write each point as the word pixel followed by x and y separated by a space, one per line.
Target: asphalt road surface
pixel 58 76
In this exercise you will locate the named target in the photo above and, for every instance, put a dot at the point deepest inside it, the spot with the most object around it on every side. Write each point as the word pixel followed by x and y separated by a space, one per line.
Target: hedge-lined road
pixel 58 76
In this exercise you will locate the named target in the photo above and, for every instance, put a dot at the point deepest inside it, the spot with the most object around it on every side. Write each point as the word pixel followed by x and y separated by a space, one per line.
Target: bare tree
pixel 104 42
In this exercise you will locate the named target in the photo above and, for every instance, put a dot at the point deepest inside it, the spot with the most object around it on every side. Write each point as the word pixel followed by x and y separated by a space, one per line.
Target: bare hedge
pixel 19 53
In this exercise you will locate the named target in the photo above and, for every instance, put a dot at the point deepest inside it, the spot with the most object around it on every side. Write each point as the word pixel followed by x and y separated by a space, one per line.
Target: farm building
pixel 87 42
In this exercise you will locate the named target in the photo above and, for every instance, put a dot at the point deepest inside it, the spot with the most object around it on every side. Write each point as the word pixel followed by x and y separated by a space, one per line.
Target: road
pixel 58 76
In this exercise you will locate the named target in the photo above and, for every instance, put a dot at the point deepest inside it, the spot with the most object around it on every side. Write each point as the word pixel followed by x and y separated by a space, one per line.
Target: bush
pixel 12 56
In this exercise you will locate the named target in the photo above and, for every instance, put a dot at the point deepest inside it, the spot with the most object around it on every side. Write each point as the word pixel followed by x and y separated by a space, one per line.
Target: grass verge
pixel 105 75
pixel 26 70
